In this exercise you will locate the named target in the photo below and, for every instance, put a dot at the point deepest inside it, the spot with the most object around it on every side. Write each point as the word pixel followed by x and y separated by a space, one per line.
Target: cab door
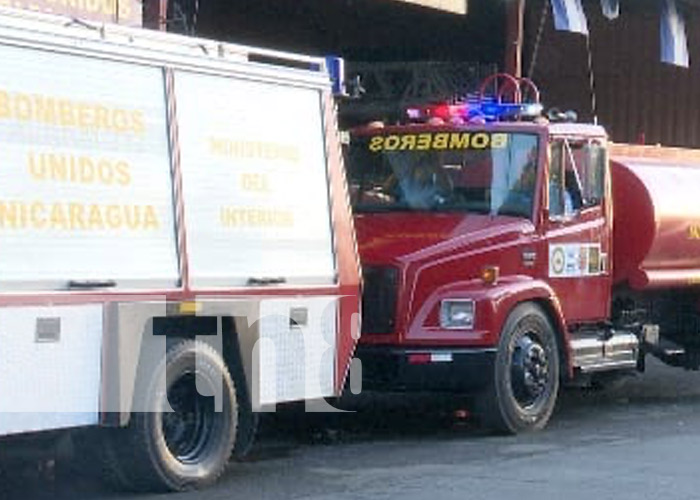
pixel 578 228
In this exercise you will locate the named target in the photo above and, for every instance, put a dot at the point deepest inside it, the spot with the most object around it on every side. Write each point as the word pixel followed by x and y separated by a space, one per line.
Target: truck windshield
pixel 480 172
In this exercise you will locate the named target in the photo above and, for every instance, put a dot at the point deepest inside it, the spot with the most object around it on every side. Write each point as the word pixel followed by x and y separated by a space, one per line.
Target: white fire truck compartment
pixel 135 164
pixel 295 354
pixel 50 367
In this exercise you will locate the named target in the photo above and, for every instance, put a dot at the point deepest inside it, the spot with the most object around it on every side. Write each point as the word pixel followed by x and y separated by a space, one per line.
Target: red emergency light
pixel 505 104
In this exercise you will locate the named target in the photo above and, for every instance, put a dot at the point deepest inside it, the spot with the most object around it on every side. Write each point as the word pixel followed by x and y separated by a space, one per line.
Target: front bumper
pixel 419 369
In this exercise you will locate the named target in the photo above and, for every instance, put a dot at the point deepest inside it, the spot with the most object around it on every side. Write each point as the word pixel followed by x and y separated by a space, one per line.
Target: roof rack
pixel 510 99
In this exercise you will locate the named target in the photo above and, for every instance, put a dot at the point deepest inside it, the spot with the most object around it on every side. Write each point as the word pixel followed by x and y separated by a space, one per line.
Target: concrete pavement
pixel 640 441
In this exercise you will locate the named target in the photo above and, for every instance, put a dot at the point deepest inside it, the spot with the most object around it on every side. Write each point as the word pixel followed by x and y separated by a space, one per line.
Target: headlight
pixel 457 314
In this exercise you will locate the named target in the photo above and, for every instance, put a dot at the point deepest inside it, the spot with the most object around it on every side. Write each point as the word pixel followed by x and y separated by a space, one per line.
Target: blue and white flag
pixel 674 44
pixel 611 8
pixel 569 16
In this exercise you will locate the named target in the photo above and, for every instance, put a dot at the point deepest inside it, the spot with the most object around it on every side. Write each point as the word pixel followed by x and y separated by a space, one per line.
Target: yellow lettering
pixel 408 142
pixel 35 167
pixel 137 122
pixel 58 218
pixel 65 110
pixel 254 182
pixel 459 141
pixel 123 175
pixel 8 214
pixel 694 232
pixel 255 217
pixel 68 113
pixel 57 166
pixel 23 108
pixel 101 118
pixel 45 109
pixel 124 9
pixel 480 140
pixel 84 118
pixel 150 219
pixel 75 214
pixel 268 151
pixel 392 142
pixel 440 141
pixel 423 142
pixel 112 216
pixel 120 121
pixel 499 141
pixel 4 105
pixel 87 170
pixel 92 5
pixel 38 219
pixel 376 143
pixel 95 220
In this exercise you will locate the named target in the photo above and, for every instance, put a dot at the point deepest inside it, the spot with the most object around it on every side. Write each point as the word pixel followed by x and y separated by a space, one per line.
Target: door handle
pixel 88 284
pixel 266 281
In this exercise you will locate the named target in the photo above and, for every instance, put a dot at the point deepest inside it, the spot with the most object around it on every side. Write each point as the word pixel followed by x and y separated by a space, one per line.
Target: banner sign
pixel 456 6
pixel 569 16
pixel 674 44
pixel 125 12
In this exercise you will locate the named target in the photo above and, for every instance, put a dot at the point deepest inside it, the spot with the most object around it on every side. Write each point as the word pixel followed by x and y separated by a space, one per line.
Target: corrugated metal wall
pixel 637 95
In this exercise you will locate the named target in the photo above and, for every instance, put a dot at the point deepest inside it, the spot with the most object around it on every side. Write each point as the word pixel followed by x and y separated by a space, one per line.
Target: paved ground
pixel 641 441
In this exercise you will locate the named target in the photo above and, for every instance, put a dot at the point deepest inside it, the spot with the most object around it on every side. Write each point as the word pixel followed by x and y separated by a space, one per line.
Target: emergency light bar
pixel 505 104
pixel 488 111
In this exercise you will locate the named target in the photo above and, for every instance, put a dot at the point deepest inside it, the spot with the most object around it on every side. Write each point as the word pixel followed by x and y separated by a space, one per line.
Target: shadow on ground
pixel 370 418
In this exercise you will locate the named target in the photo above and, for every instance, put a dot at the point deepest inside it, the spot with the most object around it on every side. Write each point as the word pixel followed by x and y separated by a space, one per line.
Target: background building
pixel 407 52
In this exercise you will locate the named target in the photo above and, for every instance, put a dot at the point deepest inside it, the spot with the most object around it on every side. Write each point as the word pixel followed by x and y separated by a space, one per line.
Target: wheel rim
pixel 190 427
pixel 530 371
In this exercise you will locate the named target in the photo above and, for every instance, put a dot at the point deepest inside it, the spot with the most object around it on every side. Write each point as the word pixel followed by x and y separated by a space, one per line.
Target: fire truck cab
pixel 486 233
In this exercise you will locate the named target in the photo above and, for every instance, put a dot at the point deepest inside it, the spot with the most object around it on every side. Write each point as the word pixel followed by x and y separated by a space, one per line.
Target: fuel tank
pixel 656 222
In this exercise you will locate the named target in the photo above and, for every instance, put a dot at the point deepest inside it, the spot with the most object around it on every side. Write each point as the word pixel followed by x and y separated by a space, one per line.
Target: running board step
pixel 595 353
pixel 672 354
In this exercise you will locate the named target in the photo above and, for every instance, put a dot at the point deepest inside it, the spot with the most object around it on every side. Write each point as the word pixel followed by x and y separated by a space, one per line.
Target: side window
pixel 556 179
pixel 576 176
pixel 594 173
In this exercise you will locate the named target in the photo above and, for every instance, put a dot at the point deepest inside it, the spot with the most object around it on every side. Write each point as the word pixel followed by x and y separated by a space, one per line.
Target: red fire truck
pixel 506 252
pixel 176 241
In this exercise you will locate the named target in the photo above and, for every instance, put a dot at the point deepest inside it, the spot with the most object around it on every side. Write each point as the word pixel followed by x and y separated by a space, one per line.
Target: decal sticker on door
pixel 575 260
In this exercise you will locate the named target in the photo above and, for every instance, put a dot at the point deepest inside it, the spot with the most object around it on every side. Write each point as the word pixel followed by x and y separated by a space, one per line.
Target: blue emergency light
pixel 485 110
pixel 336 70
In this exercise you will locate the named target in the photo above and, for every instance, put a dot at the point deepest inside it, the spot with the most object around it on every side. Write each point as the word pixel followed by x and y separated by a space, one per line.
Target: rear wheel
pixel 525 382
pixel 188 447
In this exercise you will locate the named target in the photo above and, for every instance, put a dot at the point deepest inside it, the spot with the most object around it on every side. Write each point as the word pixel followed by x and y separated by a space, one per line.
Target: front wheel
pixel 523 390
pixel 185 436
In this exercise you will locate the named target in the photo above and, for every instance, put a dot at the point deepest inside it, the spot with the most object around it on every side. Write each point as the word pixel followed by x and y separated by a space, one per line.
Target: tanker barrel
pixel 656 206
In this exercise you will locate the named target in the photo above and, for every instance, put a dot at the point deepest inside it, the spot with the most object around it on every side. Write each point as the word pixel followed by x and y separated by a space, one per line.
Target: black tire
pixel 523 391
pixel 189 447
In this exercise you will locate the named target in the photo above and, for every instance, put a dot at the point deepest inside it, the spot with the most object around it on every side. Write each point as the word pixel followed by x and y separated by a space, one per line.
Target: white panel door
pixel 255 181
pixel 50 367
pixel 85 173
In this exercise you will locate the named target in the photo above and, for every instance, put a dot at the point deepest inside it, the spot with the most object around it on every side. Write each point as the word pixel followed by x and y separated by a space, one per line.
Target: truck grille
pixel 379 300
